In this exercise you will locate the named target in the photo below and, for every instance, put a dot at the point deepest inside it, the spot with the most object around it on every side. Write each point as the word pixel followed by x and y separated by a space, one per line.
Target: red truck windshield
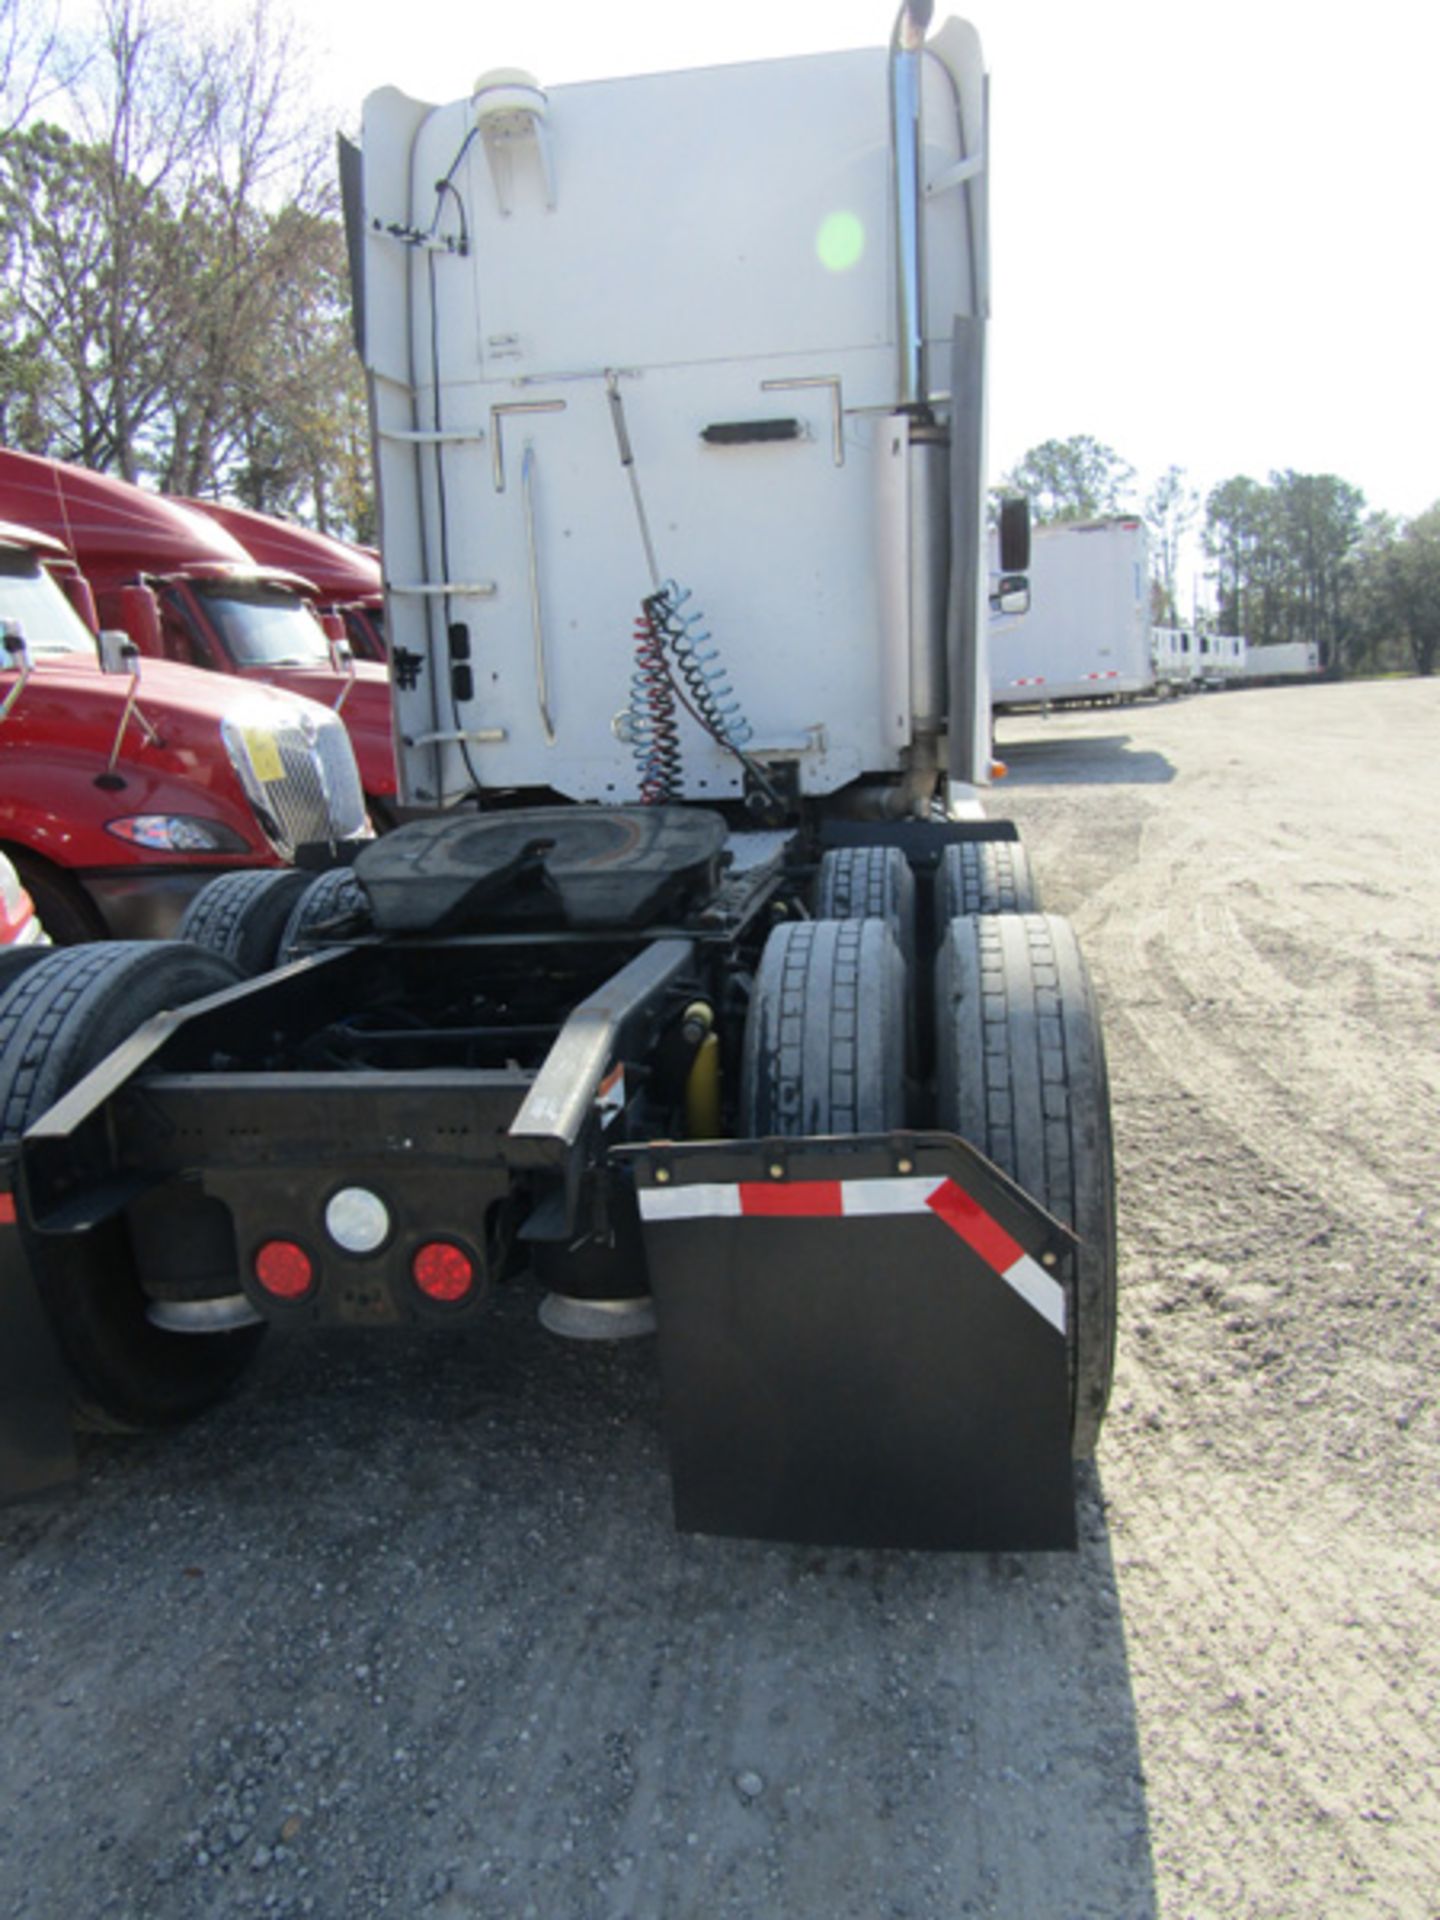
pixel 48 622
pixel 266 627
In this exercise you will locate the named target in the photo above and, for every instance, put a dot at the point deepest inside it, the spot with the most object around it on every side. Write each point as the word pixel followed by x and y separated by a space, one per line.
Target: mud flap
pixel 37 1441
pixel 861 1343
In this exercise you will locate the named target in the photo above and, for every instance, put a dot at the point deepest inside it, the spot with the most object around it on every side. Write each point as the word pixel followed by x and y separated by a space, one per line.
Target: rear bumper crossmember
pixel 861 1339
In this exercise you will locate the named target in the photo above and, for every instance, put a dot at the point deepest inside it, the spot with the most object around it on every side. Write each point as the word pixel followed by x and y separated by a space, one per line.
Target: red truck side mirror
pixel 342 660
pixel 118 652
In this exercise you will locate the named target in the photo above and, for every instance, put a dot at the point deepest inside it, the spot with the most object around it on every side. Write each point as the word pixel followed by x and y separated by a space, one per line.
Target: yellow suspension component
pixel 703 1078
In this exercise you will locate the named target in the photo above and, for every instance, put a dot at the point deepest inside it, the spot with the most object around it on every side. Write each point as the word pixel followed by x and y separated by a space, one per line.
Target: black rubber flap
pixel 580 866
pixel 37 1448
pixel 856 1355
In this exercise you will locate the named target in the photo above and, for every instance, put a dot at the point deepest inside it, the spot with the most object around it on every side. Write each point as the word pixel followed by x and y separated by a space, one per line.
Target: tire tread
pixel 825 1039
pixel 985 876
pixel 242 915
pixel 57 1021
pixel 328 897
pixel 869 883
pixel 1021 1075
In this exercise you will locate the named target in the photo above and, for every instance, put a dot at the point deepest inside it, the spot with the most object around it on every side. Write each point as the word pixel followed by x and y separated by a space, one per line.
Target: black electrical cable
pixel 446 184
pixel 442 187
pixel 447 180
pixel 462 742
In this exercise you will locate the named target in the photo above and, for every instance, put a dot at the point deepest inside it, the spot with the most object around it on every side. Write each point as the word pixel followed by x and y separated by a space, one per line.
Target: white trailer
pixel 1087 634
pixel 1174 659
pixel 1288 660
pixel 1220 659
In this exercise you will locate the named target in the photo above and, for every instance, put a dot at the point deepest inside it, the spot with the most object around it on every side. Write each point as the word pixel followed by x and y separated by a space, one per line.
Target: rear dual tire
pixel 241 916
pixel 332 900
pixel 869 883
pixel 58 1019
pixel 266 917
pixel 1020 1074
pixel 825 1037
pixel 984 876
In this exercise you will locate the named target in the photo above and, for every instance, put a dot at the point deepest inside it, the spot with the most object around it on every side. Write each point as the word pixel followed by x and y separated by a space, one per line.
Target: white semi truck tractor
pixel 702 1000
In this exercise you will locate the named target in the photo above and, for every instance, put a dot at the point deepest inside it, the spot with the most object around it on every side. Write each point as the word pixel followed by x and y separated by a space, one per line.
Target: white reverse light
pixel 357 1220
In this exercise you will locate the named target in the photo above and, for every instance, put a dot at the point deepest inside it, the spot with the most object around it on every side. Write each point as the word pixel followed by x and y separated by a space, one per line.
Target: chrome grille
pixel 315 796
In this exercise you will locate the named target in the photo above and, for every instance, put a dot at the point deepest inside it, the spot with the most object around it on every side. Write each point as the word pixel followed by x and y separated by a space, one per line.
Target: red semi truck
pixel 122 793
pixel 349 589
pixel 185 590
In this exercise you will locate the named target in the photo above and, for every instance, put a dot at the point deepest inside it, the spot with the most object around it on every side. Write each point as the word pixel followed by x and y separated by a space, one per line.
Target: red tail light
pixel 442 1271
pixel 284 1270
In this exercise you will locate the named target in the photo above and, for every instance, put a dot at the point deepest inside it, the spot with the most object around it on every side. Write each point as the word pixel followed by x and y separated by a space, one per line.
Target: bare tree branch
pixel 173 301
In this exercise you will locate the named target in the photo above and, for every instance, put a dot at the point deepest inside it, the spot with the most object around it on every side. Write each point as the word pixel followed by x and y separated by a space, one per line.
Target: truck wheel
pixel 1021 1075
pixel 336 895
pixel 985 876
pixel 56 1022
pixel 17 960
pixel 65 911
pixel 824 1047
pixel 242 915
pixel 869 883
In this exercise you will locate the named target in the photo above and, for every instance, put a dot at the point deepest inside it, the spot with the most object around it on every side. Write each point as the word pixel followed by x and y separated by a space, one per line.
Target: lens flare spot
pixel 840 241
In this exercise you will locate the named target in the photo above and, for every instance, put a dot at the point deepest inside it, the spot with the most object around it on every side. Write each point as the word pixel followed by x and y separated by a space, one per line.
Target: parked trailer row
pixel 1286 660
pixel 688 1004
pixel 1188 659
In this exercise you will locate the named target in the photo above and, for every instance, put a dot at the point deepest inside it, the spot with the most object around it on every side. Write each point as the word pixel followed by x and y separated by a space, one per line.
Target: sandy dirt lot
pixel 404 1630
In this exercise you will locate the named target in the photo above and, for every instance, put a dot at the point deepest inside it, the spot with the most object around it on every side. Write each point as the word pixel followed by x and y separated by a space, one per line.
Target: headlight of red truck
pixel 177 833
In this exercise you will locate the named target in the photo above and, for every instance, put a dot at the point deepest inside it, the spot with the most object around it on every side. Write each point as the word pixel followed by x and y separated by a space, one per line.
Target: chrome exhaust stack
pixel 927 443
pixel 907 42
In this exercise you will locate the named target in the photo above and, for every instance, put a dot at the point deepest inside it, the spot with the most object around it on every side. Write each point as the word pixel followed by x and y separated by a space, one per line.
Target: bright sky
pixel 1213 225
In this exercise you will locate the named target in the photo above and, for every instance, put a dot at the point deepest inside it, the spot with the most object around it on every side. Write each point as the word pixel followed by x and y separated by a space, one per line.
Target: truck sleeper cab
pixel 759 1044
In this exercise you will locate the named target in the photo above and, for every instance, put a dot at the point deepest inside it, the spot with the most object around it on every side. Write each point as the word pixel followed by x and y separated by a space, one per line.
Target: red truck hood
pixel 184 703
pixel 184 751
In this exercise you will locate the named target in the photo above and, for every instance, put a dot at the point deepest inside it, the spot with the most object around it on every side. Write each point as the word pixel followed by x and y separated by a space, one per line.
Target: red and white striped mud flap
pixel 37 1441
pixel 862 1342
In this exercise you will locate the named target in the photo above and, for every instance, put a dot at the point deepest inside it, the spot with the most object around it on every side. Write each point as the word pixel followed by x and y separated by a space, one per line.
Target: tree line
pixel 1293 557
pixel 174 296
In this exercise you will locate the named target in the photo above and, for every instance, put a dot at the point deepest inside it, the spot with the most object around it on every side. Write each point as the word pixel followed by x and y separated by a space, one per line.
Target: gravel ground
pixel 403 1629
